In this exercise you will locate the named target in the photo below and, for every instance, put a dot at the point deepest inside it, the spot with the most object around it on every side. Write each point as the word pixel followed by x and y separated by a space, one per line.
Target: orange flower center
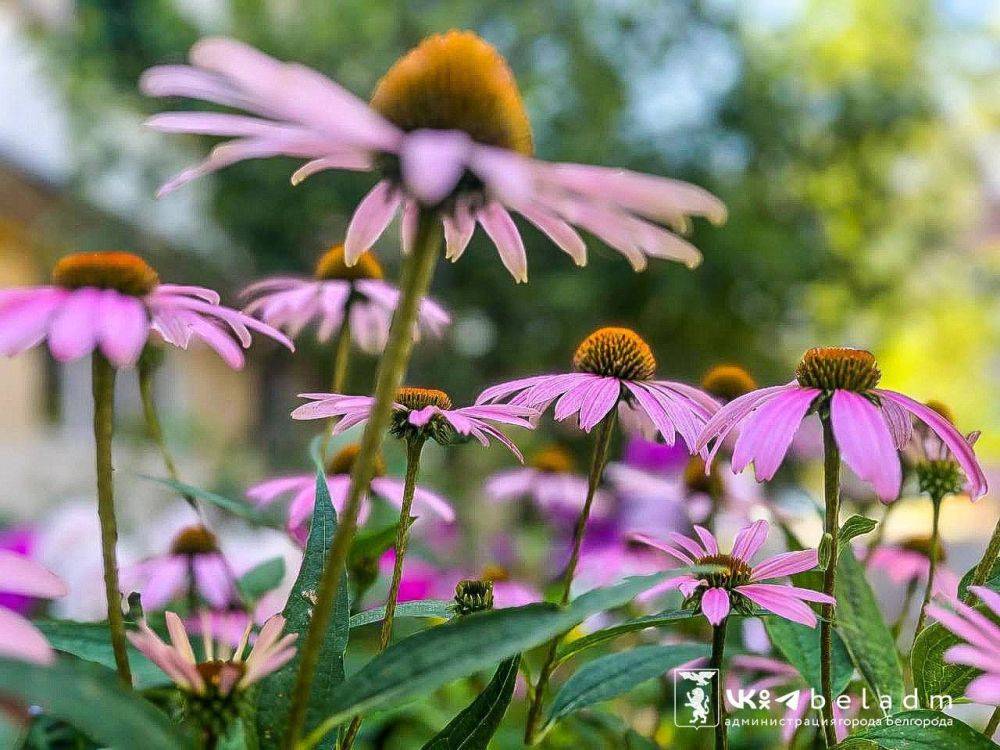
pixel 331 266
pixel 696 480
pixel 728 382
pixel 615 352
pixel 343 461
pixel 495 573
pixel 734 572
pixel 456 81
pixel 194 540
pixel 941 408
pixel 124 272
pixel 553 460
pixel 838 368
pixel 418 398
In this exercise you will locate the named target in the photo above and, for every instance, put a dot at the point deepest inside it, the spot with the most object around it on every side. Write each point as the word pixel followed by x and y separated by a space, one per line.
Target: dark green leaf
pixel 92 700
pixel 614 674
pixel 992 580
pixel 931 675
pixel 918 730
pixel 275 692
pixel 853 527
pixel 859 621
pixel 422 608
pixel 239 508
pixel 630 626
pixel 799 645
pixel 91 641
pixel 262 578
pixel 434 657
pixel 476 724
pixel 371 543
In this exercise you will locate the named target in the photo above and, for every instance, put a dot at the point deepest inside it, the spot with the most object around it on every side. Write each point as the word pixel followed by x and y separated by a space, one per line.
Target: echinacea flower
pixel 981 647
pixel 19 639
pixel 192 567
pixel 907 563
pixel 302 488
pixel 728 382
pixel 425 410
pixel 445 130
pixel 110 301
pixel 550 481
pixel 338 295
pixel 614 369
pixel 738 582
pixel 222 672
pixel 869 424
pixel 937 472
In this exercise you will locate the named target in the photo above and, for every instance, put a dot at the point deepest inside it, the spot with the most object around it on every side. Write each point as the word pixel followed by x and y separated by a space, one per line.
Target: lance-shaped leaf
pixel 433 608
pixel 629 626
pixel 918 730
pixel 262 578
pixel 239 508
pixel 799 644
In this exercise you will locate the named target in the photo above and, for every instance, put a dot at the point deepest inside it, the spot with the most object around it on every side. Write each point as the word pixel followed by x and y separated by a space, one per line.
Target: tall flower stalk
pixel 416 278
pixel 716 663
pixel 933 554
pixel 602 443
pixel 831 492
pixel 985 566
pixel 103 374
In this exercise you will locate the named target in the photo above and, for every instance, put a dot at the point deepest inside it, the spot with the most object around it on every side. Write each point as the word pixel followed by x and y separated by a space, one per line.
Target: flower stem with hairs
pixel 413 448
pixel 718 653
pixel 933 555
pixel 416 278
pixel 897 626
pixel 602 442
pixel 342 351
pixel 993 723
pixel 831 484
pixel 985 566
pixel 103 375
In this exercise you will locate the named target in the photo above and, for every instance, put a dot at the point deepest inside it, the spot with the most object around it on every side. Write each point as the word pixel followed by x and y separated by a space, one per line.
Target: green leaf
pixel 799 644
pixel 992 580
pixel 262 578
pixel 91 641
pixel 859 622
pixel 614 674
pixel 473 727
pixel 918 730
pixel 94 701
pixel 239 508
pixel 853 527
pixel 630 626
pixel 423 608
pixel 275 692
pixel 425 661
pixel 931 675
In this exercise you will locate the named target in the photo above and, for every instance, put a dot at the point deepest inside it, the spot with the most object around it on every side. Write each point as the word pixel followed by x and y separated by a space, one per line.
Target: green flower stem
pixel 413 448
pixel 933 554
pixel 342 350
pixel 416 278
pixel 103 375
pixel 994 722
pixel 602 442
pixel 897 626
pixel 718 652
pixel 879 534
pixel 831 477
pixel 153 427
pixel 985 565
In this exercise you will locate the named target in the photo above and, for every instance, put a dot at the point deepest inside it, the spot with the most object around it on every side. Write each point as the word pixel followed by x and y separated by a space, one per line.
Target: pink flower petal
pixel 715 605
pixel 786 564
pixel 370 219
pixel 432 162
pixel 502 230
pixel 772 598
pixel 73 331
pixel 123 328
pixel 19 639
pixel 749 540
pixel 768 432
pixel 865 443
pixel 22 575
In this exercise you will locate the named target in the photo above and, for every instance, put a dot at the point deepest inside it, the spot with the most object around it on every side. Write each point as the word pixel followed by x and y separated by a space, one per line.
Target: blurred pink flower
pixel 613 366
pixel 19 639
pixel 981 648
pixel 19 540
pixel 338 294
pixel 469 155
pixel 111 302
pixel 869 424
pixel 739 582
pixel 222 671
pixel 907 564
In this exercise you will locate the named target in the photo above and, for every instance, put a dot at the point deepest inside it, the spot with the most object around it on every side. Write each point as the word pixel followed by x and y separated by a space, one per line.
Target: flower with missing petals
pixel 111 301
pixel 614 369
pixel 445 130
pixel 421 411
pixel 19 639
pixel 302 488
pixel 338 295
pixel 980 648
pixel 869 424
pixel 739 584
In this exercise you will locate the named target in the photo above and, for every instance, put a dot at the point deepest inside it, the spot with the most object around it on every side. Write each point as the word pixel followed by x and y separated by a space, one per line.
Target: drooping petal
pixel 557 230
pixel 73 331
pixel 22 575
pixel 432 162
pixel 123 328
pixel 505 235
pixel 370 219
pixel 19 639
pixel 865 442
pixel 767 433
pixel 715 605
pixel 774 599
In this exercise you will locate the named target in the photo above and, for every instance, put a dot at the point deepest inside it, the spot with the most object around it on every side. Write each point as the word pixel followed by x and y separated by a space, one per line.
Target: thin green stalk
pixel 831 477
pixel 416 278
pixel 602 442
pixel 985 565
pixel 718 652
pixel 413 448
pixel 933 554
pixel 879 534
pixel 994 722
pixel 897 626
pixel 103 375
pixel 342 350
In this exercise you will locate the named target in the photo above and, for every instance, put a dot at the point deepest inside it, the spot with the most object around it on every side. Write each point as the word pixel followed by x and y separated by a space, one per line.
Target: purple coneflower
pixel 981 649
pixel 193 567
pixel 908 563
pixel 739 584
pixel 302 487
pixel 445 129
pixel 19 639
